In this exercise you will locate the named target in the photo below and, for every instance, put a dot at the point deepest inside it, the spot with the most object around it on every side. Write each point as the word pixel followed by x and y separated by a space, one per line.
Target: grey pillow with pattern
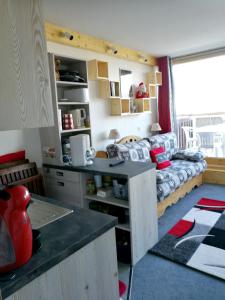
pixel 189 155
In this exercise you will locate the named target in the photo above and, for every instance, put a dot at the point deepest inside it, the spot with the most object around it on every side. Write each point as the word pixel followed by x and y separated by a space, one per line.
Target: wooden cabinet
pixel 90 273
pixel 141 208
pixel 25 96
pixel 63 185
pixel 57 137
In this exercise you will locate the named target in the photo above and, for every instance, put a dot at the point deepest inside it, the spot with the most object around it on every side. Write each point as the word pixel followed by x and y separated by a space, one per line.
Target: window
pixel 199 88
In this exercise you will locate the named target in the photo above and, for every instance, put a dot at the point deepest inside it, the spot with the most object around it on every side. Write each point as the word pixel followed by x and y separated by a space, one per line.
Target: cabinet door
pixel 89 274
pixel 63 190
pixel 143 213
pixel 25 96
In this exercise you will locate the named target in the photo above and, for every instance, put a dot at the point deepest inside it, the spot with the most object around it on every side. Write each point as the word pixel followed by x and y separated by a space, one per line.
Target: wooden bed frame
pixel 176 195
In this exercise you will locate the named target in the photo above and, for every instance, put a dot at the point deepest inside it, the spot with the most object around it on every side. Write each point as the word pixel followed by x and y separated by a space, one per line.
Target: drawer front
pixel 62 174
pixel 67 191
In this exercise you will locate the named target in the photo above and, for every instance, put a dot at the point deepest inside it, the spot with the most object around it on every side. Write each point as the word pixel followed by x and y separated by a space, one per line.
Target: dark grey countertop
pixel 101 166
pixel 59 240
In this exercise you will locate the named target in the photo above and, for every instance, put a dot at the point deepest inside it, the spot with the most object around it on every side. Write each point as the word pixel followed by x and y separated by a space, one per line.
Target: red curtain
pixel 164 95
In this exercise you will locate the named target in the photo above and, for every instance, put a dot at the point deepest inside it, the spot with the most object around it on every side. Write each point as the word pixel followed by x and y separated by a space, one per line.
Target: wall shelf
pixel 109 89
pixel 97 70
pixel 122 107
pixel 154 77
pixel 143 104
pixel 152 91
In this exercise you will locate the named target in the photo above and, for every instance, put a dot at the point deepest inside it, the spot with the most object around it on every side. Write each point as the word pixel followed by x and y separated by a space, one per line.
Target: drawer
pixel 62 174
pixel 67 191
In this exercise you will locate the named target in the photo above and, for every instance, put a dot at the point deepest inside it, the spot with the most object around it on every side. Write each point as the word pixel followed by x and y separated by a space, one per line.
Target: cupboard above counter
pixel 25 95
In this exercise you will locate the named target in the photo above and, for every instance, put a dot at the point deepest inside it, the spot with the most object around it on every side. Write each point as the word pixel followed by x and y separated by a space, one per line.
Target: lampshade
pixel 114 134
pixel 156 127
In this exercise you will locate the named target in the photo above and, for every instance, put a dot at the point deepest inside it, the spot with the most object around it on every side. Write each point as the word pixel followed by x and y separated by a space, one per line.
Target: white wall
pixel 28 139
pixel 102 122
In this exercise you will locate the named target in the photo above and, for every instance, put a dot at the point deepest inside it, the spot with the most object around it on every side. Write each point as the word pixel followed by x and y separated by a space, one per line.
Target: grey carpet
pixel 156 278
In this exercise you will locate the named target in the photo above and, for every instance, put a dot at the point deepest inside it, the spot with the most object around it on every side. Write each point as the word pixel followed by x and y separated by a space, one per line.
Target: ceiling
pixel 158 27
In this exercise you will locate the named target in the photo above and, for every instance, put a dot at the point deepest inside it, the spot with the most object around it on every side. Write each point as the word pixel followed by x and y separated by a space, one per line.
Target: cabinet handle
pixel 59 174
pixel 60 183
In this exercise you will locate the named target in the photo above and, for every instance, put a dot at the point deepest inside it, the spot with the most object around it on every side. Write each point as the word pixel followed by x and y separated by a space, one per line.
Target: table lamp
pixel 114 135
pixel 155 128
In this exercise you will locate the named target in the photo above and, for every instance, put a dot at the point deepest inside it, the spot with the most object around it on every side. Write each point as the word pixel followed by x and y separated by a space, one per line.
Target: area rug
pixel 198 239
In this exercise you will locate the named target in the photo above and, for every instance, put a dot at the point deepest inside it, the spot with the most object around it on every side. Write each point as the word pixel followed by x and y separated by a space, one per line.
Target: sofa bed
pixel 178 171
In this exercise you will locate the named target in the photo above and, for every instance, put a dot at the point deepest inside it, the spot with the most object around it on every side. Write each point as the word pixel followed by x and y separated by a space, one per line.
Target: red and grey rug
pixel 198 239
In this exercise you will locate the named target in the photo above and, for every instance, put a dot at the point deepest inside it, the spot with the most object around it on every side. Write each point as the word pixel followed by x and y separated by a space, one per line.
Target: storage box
pixel 76 95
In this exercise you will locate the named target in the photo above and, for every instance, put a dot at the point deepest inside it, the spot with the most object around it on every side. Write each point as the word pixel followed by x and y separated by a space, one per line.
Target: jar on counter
pixel 91 190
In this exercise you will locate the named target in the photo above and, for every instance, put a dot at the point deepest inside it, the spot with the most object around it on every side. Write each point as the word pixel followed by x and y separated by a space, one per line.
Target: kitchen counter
pixel 128 169
pixel 59 239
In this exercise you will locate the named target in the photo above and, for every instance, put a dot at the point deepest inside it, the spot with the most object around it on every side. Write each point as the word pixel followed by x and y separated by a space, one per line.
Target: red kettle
pixel 15 228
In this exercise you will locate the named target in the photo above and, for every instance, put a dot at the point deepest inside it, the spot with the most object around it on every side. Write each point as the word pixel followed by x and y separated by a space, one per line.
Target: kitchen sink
pixel 42 213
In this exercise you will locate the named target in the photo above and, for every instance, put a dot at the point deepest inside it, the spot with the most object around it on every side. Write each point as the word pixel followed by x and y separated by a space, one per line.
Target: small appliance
pixel 79 115
pixel 81 152
pixel 76 95
pixel 16 232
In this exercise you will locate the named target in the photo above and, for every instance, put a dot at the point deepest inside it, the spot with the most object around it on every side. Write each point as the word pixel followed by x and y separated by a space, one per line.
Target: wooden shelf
pixel 72 103
pixel 70 83
pixel 109 200
pixel 152 91
pixel 121 107
pixel 74 130
pixel 143 105
pixel 154 77
pixel 125 227
pixel 97 70
pixel 106 90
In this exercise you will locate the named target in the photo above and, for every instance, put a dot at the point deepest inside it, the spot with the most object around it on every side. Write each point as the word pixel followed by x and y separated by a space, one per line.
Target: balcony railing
pixel 205 132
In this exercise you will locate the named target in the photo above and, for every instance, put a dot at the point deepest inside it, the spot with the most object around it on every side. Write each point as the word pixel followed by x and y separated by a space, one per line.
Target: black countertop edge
pixel 100 166
pixel 41 262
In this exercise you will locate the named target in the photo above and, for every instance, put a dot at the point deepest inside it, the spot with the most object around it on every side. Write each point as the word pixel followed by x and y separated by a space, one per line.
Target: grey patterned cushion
pixel 167 140
pixel 135 151
pixel 189 155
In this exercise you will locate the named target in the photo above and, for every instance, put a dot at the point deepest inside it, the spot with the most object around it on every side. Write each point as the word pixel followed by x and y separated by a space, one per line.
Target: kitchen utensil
pixel 79 115
pixel 77 95
pixel 81 152
pixel 15 227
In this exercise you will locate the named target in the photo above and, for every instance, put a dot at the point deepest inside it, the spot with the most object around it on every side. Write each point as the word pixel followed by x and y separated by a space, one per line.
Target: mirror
pixel 125 83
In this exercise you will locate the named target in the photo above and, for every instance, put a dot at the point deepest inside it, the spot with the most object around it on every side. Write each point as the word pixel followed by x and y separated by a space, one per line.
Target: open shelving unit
pixel 55 137
pixel 136 214
pixel 122 107
pixel 154 79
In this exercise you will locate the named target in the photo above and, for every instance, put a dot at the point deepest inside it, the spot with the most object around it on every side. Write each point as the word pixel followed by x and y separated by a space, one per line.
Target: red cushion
pixel 20 155
pixel 158 156
pixel 122 288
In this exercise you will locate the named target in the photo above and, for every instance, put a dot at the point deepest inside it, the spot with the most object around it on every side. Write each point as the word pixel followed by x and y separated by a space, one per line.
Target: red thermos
pixel 15 228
